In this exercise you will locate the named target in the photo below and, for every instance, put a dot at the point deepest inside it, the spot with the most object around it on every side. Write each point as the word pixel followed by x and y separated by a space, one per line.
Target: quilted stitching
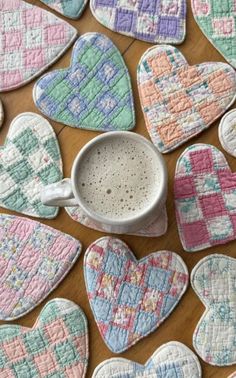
pixel 94 93
pixel 170 360
pixel 227 132
pixel 205 193
pixel 217 20
pixel 29 160
pixel 69 8
pixel 1 113
pixel 31 40
pixel 180 101
pixel 213 280
pixel 34 259
pixel 56 346
pixel 131 298
pixel 157 228
pixel 155 21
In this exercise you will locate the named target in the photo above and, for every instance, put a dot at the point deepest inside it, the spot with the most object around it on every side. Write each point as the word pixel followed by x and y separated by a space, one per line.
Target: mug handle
pixel 59 194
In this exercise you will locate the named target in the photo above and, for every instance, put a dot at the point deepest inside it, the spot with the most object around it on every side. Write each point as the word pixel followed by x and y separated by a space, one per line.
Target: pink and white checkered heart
pixel 56 346
pixel 205 198
pixel 34 259
pixel 180 101
pixel 131 298
pixel 31 40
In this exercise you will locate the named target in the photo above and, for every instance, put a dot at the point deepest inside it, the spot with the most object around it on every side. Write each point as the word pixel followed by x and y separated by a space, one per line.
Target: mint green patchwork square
pixel 74 327
pixel 50 174
pixel 20 172
pixel 26 142
pixel 52 149
pixel 16 201
pixel 25 369
pixel 66 353
pixel 3 359
pixel 35 342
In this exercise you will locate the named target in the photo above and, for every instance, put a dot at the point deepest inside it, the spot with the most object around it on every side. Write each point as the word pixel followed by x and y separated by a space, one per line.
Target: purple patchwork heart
pixel 131 298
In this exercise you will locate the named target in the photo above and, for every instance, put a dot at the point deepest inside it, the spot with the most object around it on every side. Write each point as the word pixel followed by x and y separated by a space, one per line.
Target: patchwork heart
pixel 227 132
pixel 29 160
pixel 31 40
pixel 170 360
pixel 56 346
pixel 205 198
pixel 94 93
pixel 156 21
pixel 180 101
pixel 216 20
pixel 1 113
pixel 213 280
pixel 34 259
pixel 157 228
pixel 69 8
pixel 131 298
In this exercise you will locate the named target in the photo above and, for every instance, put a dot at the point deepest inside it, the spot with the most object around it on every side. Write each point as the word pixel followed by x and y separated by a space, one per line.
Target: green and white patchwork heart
pixel 69 8
pixel 29 160
pixel 217 20
pixel 94 93
pixel 55 347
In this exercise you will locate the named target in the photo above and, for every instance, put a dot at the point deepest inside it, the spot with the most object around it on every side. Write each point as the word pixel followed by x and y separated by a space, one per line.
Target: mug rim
pixel 161 193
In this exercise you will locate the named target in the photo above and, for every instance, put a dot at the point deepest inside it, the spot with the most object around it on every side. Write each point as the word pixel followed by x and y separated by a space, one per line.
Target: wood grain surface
pixel 182 322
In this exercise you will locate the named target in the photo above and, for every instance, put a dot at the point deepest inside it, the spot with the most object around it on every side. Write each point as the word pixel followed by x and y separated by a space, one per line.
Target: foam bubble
pixel 118 178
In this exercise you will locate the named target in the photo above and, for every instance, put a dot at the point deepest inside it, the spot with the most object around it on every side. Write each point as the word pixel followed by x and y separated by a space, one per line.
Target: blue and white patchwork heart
pixel 94 93
pixel 131 298
pixel 214 281
pixel 68 8
pixel 171 360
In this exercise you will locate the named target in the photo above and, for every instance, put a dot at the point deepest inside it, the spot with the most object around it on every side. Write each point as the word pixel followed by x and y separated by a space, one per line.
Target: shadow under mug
pixel 66 192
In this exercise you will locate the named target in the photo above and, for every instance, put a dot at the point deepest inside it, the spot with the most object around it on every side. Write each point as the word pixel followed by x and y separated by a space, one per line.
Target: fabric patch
pixel 68 8
pixel 157 228
pixel 1 113
pixel 227 132
pixel 213 279
pixel 56 346
pixel 94 93
pixel 217 20
pixel 131 298
pixel 155 21
pixel 31 39
pixel 205 198
pixel 180 101
pixel 29 160
pixel 34 259
pixel 170 360
pixel 233 375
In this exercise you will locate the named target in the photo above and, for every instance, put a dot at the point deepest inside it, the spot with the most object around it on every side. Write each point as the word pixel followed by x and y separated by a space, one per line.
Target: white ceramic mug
pixel 67 192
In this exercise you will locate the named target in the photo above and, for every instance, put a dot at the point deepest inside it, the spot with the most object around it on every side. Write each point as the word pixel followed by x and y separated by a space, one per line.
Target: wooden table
pixel 182 322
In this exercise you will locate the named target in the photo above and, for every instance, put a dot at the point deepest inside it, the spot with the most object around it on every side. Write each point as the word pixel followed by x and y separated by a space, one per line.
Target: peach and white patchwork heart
pixel 31 39
pixel 56 346
pixel 171 360
pixel 205 198
pixel 180 101
pixel 68 8
pixel 34 259
pixel 29 160
pixel 214 281
pixel 227 132
pixel 131 298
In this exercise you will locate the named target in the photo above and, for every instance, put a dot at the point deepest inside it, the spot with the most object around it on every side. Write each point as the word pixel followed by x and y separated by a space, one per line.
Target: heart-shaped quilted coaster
pixel 205 198
pixel 131 298
pixel 29 160
pixel 1 113
pixel 153 21
pixel 155 229
pixel 213 279
pixel 56 346
pixel 34 259
pixel 180 101
pixel 170 360
pixel 68 8
pixel 227 132
pixel 216 19
pixel 94 93
pixel 31 40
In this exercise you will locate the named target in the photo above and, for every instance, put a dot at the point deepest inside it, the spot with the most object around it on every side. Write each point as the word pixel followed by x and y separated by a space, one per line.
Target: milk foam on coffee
pixel 118 178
